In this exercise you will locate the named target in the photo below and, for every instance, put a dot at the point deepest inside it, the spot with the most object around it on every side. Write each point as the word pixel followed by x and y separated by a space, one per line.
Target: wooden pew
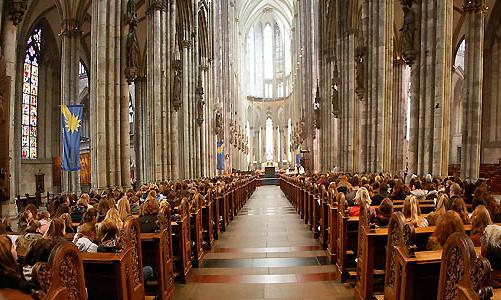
pixel 369 264
pixel 346 241
pixel 315 211
pixel 181 243
pixel 196 235
pixel 215 213
pixel 157 252
pixel 207 220
pixel 410 274
pixel 324 217
pixel 332 225
pixel 106 274
pixel 117 275
pixel 62 277
pixel 462 273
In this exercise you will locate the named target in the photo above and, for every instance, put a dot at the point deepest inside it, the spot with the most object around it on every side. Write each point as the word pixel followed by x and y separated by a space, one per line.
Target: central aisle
pixel 266 253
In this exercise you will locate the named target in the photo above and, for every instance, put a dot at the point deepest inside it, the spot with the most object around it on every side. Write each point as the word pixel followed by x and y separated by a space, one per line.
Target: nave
pixel 267 252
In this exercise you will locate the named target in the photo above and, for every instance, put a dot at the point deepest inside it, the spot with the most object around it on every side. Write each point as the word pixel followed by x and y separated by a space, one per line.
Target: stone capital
pixel 154 5
pixel 186 44
pixel 474 6
pixel 69 28
pixel 17 9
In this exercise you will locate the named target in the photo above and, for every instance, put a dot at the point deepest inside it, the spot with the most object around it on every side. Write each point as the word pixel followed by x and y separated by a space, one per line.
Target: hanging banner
pixel 220 156
pixel 70 125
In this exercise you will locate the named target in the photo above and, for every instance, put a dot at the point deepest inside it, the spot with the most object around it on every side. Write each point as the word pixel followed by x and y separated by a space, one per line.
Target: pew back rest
pixel 62 277
pixel 462 273
pixel 135 284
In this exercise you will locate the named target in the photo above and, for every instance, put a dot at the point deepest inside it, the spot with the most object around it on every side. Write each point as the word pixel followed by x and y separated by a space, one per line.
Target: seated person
pixel 68 224
pixel 415 218
pixel 56 230
pixel 44 219
pixel 447 224
pixel 10 276
pixel 114 216
pixel 149 214
pixel 31 234
pixel 362 197
pixel 107 235
pixel 457 204
pixel 480 218
pixel 90 216
pixel 384 212
pixel 84 239
pixel 124 208
pixel 39 251
pixel 491 249
pixel 439 210
pixel 78 210
pixel 382 192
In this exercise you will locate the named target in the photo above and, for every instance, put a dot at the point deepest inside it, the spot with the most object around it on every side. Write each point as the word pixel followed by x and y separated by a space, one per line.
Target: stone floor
pixel 266 253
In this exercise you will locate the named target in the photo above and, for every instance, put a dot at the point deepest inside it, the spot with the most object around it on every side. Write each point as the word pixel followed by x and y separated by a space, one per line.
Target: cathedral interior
pixel 115 95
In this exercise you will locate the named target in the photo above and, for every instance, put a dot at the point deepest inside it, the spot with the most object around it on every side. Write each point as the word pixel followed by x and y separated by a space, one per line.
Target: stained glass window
pixel 29 125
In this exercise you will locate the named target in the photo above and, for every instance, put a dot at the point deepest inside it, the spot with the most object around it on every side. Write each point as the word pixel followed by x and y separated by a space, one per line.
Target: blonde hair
pixel 114 216
pixel 124 208
pixel 363 197
pixel 415 217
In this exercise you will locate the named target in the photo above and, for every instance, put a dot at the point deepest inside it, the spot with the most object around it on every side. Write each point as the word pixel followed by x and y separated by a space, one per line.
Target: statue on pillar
pixel 360 53
pixel 335 92
pixel 132 45
pixel 408 31
pixel 177 85
pixel 200 100
pixel 219 124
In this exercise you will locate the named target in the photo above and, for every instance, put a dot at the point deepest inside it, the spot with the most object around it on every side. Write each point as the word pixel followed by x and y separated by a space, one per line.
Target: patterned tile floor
pixel 267 252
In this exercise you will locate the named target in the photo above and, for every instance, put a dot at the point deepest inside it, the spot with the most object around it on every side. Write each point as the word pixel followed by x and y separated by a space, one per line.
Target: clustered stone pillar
pixel 110 146
pixel 472 107
pixel 158 88
pixel 431 88
pixel 70 58
pixel 398 113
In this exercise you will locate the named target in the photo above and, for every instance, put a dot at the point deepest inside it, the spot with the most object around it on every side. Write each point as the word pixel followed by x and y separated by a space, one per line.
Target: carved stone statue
pixel 408 30
pixel 360 74
pixel 219 124
pixel 177 85
pixel 132 49
pixel 131 13
pixel 335 98
pixel 200 101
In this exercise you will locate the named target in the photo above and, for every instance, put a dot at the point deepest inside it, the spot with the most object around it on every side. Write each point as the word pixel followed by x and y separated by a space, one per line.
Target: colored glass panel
pixel 29 126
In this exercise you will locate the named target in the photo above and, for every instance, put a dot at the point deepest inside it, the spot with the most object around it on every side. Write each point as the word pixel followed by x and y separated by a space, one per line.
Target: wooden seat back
pixel 135 280
pixel 62 277
pixel 462 273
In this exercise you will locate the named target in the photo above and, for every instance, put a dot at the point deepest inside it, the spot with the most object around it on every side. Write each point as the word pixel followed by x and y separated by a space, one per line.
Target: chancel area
pixel 245 149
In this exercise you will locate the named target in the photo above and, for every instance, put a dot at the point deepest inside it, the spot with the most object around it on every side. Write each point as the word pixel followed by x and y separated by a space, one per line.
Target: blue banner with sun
pixel 71 121
pixel 220 156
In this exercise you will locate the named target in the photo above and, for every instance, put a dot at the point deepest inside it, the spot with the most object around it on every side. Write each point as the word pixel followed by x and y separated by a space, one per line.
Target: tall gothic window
pixel 29 125
pixel 269 139
pixel 268 52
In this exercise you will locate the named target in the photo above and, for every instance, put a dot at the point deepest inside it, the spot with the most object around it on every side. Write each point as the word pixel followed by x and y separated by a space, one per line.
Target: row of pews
pixel 389 262
pixel 70 274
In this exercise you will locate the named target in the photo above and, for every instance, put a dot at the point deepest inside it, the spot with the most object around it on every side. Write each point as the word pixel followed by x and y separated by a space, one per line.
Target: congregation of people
pixel 95 223
pixel 450 203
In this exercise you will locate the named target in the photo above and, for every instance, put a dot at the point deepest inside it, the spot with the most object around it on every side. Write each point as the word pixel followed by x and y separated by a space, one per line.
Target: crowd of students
pixel 100 220
pixel 450 197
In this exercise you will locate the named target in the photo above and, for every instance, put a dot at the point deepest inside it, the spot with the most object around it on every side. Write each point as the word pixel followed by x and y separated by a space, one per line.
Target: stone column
pixel 156 92
pixel 472 108
pixel 398 111
pixel 434 88
pixel 110 142
pixel 70 58
pixel 140 129
pixel 9 43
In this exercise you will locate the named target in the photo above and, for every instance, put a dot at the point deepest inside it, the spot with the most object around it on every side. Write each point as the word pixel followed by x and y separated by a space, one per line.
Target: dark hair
pixel 386 207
